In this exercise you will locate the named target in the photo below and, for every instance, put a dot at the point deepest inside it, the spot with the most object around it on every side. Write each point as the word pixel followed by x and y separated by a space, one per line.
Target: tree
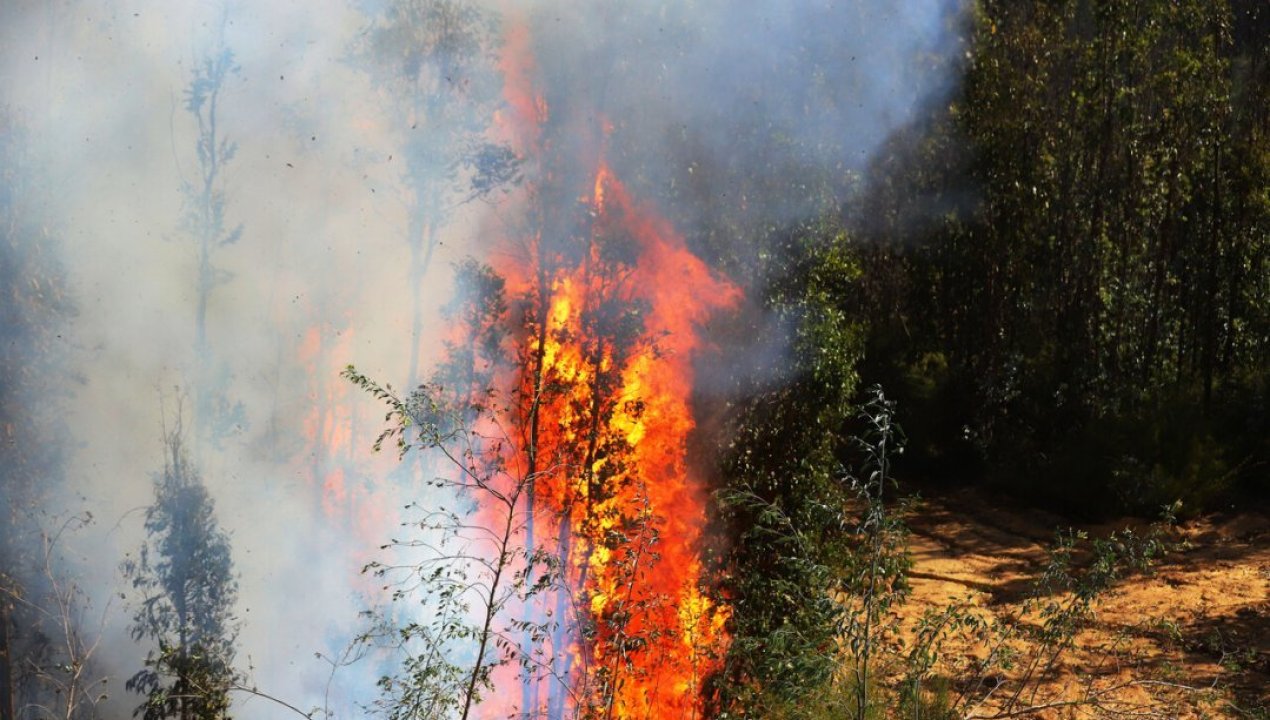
pixel 590 420
pixel 1095 308
pixel 433 59
pixel 205 223
pixel 475 572
pixel 184 575
pixel 35 306
pixel 782 491
pixel 58 669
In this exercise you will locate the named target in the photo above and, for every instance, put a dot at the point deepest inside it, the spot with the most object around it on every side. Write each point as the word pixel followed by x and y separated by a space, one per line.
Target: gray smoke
pixel 734 118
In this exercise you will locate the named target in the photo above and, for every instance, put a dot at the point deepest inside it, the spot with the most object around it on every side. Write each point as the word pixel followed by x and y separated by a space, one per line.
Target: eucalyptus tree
pixel 187 590
pixel 470 573
pixel 204 221
pixel 434 63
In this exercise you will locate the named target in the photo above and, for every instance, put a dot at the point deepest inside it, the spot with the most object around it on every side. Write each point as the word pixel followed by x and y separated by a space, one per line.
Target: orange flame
pixel 333 454
pixel 607 368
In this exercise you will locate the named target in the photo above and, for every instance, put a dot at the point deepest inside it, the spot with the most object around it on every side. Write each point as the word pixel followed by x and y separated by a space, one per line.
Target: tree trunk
pixel 7 707
pixel 529 686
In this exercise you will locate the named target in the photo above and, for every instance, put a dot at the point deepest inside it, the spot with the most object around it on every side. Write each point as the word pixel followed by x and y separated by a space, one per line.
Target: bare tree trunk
pixel 491 607
pixel 420 258
pixel 7 708
pixel 529 685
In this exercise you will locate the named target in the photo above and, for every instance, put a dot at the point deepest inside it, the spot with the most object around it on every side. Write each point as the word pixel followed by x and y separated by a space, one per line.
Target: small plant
pixel 858 583
pixel 68 676
pixel 1025 650
pixel 885 675
pixel 875 577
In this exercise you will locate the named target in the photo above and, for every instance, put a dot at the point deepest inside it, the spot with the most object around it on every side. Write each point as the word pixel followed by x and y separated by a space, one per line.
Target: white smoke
pixel 752 89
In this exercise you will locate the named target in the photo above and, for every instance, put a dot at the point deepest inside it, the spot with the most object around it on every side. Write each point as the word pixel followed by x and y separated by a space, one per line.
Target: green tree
pixel 184 576
pixel 1065 266
pixel 783 494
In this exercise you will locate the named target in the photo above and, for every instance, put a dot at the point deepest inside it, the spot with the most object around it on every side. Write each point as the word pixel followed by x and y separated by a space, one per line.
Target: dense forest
pixel 1060 276
pixel 449 359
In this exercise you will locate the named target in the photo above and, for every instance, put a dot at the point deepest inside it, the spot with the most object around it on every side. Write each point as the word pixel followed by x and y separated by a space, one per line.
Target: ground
pixel 1199 619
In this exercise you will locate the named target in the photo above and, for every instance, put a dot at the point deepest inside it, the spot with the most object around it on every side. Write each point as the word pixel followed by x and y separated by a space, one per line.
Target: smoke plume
pixel 734 119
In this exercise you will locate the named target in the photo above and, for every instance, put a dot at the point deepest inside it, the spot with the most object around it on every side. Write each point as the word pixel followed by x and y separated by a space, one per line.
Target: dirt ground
pixel 1189 639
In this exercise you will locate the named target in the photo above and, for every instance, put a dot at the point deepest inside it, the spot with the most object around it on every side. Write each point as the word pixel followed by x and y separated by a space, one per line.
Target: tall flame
pixel 606 375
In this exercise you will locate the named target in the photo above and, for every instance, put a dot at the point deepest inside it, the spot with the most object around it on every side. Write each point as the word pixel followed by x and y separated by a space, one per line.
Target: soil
pixel 1189 638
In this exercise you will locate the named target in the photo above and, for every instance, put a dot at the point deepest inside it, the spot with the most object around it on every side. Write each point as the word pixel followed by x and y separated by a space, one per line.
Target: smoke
pixel 734 118
pixel 741 111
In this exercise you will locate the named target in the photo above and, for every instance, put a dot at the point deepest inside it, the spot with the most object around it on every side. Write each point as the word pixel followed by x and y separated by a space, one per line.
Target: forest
pixel 569 360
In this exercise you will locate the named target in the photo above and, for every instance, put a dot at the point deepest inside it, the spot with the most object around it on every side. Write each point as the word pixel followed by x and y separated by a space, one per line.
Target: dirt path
pixel 1201 619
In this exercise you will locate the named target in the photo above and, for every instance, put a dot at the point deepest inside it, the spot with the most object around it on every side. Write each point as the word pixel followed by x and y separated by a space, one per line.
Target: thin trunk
pixel 1212 262
pixel 877 509
pixel 491 609
pixel 1162 259
pixel 182 654
pixel 7 706
pixel 422 243
pixel 208 231
pixel 561 662
pixel 529 685
pixel 588 471
pixel 615 684
pixel 211 168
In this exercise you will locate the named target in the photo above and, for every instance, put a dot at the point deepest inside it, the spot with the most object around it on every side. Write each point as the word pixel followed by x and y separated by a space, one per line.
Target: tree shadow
pixel 1239 643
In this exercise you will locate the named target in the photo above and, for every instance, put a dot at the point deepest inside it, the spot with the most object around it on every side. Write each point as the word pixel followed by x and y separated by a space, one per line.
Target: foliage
pixel 1065 265
pixel 782 500
pixel 473 573
pixel 874 574
pixel 850 568
pixel 434 60
pixel 184 576
pixel 1024 650
pixel 876 673
pixel 58 675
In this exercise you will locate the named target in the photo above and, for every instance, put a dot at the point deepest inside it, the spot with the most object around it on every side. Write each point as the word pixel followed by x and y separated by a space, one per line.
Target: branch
pixel 237 687
pixel 1095 699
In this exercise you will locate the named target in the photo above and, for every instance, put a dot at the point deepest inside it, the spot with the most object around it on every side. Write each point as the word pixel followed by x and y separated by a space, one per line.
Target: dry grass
pixel 1200 620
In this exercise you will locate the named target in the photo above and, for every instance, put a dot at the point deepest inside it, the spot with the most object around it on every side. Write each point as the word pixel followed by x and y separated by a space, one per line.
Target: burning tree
pixel 605 358
pixel 576 451
pixel 184 573
pixel 474 569
pixel 569 438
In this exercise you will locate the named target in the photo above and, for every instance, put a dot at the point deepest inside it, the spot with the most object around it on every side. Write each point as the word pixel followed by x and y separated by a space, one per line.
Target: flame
pixel 333 455
pixel 606 351
pixel 605 381
pixel 625 509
